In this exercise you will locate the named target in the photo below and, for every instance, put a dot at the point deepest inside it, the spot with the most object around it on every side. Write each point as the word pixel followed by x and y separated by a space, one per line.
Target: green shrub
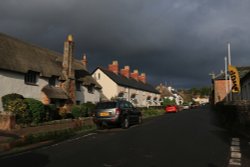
pixel 51 112
pixel 77 111
pixel 87 109
pixel 168 102
pixel 36 108
pixel 150 112
pixel 19 108
pixel 8 98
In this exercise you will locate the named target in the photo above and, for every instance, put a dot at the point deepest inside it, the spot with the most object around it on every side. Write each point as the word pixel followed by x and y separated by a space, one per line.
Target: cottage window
pixel 78 102
pixel 90 88
pixel 78 86
pixel 31 77
pixel 52 81
pixel 99 76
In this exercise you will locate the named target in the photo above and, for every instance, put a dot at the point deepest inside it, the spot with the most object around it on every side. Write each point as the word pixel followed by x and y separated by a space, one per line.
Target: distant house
pixel 168 92
pixel 125 85
pixel 45 75
pixel 201 100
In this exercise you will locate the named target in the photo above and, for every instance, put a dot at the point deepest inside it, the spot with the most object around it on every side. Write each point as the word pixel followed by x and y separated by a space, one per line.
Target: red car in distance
pixel 171 108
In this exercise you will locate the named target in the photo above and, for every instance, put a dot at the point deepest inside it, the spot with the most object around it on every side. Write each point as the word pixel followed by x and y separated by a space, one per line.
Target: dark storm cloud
pixel 173 41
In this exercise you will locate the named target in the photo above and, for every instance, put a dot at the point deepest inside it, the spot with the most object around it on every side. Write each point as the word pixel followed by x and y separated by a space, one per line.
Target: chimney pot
pixel 142 77
pixel 114 67
pixel 134 75
pixel 70 38
pixel 84 61
pixel 125 72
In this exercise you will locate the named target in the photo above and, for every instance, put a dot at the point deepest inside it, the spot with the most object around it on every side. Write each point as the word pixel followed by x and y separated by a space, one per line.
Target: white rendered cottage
pixel 125 85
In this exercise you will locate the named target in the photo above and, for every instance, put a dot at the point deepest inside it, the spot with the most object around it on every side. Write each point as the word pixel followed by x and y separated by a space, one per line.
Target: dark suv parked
pixel 119 112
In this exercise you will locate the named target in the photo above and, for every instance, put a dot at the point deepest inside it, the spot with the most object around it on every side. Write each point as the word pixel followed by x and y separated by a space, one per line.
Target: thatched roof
pixel 54 92
pixel 16 55
pixel 164 91
pixel 86 78
pixel 19 56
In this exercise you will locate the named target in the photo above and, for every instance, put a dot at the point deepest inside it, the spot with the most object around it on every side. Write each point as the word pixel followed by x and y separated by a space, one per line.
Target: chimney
pixel 125 72
pixel 142 77
pixel 134 75
pixel 114 67
pixel 84 61
pixel 67 71
pixel 68 57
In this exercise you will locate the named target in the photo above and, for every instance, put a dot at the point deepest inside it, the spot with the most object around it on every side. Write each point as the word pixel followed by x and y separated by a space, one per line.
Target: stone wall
pixel 235 113
pixel 7 121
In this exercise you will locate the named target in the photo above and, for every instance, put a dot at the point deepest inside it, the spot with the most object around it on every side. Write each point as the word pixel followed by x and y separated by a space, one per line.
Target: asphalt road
pixel 190 138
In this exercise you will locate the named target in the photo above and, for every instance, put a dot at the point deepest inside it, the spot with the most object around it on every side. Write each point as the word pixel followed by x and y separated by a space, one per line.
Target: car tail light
pixel 117 111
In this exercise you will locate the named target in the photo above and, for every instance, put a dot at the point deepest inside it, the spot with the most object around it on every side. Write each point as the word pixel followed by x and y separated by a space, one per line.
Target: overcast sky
pixel 178 42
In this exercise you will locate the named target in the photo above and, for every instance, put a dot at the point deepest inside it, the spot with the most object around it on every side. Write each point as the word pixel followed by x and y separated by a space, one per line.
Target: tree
pixel 168 101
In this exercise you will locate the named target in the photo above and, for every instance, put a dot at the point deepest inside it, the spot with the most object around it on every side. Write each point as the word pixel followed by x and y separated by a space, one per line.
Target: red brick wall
pixel 220 90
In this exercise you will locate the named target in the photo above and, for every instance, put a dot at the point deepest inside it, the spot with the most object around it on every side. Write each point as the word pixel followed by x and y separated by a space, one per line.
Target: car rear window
pixel 106 105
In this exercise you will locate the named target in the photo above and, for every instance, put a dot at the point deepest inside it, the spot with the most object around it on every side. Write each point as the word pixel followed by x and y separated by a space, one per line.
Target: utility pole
pixel 229 63
pixel 226 79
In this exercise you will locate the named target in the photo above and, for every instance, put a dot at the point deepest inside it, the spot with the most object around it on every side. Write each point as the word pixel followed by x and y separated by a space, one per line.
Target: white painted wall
pixel 141 97
pixel 109 87
pixel 11 82
pixel 84 96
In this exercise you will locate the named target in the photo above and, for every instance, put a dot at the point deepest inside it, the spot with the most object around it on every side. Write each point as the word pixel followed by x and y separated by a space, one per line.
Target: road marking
pixel 236 155
pixel 236 139
pixel 235 159
pixel 70 140
pixel 235 148
pixel 78 138
pixel 236 162
pixel 235 143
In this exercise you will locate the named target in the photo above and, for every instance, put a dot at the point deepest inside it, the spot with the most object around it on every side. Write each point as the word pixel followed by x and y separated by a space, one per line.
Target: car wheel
pixel 125 123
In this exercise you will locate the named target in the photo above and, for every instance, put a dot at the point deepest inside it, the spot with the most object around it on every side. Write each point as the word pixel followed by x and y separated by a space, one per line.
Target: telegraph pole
pixel 229 63
pixel 226 78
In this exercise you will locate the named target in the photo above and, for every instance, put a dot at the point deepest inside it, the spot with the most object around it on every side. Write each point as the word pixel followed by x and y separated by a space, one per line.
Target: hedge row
pixel 32 111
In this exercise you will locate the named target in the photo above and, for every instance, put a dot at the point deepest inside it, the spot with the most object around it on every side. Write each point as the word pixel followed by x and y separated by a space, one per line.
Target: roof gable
pixel 128 82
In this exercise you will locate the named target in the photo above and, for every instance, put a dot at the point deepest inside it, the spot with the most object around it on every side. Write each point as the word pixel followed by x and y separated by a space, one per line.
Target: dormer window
pixel 31 77
pixel 90 88
pixel 52 81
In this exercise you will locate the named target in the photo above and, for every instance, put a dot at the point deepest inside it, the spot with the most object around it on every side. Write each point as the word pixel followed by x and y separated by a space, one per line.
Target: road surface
pixel 190 138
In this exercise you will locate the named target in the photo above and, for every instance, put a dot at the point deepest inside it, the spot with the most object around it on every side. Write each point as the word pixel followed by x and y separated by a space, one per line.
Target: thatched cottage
pixel 45 75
